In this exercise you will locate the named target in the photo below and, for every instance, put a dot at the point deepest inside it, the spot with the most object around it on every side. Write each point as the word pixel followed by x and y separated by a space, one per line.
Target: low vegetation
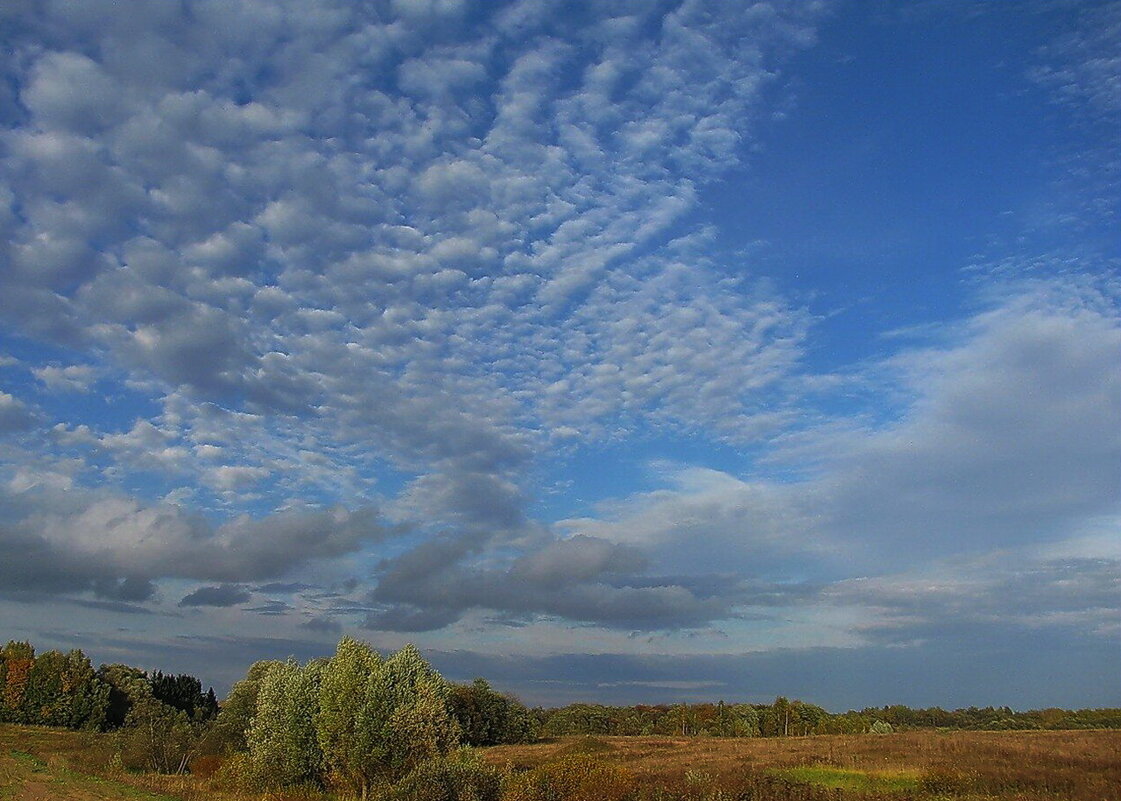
pixel 927 765
pixel 362 726
pixel 40 763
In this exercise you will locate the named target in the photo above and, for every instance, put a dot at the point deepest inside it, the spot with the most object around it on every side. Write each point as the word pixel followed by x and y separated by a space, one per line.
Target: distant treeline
pixel 785 718
pixel 57 689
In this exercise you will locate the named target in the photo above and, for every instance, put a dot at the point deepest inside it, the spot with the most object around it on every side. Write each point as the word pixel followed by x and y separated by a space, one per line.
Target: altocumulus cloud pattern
pixel 426 318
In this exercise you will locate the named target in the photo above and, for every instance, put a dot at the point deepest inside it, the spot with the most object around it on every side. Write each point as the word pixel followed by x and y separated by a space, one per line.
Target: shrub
pixel 157 738
pixel 461 777
pixel 574 778
pixel 238 774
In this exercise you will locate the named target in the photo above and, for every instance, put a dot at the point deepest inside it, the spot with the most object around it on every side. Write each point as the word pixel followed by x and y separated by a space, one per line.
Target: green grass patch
pixel 855 780
pixel 31 760
pixel 20 767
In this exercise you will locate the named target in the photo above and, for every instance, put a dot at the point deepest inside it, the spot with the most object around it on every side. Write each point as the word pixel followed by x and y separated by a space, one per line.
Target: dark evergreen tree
pixel 184 692
pixel 126 684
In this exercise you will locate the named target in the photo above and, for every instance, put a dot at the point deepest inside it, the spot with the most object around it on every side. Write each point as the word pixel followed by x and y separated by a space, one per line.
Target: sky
pixel 614 351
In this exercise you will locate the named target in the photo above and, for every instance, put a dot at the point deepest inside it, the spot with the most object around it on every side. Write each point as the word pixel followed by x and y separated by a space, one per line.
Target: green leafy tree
pixel 228 735
pixel 157 737
pixel 283 746
pixel 352 713
pixel 421 726
pixel 806 718
pixel 88 695
pixel 462 776
pixel 63 690
pixel 379 719
pixel 487 717
pixel 743 720
pixel 43 701
pixel 19 658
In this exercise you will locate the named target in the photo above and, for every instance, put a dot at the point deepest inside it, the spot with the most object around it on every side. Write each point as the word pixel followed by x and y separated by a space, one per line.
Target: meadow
pixel 37 764
pixel 1071 765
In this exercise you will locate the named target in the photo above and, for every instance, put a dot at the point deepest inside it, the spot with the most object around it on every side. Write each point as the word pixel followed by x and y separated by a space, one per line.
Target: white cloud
pixel 351 252
pixel 1009 437
pixel 74 378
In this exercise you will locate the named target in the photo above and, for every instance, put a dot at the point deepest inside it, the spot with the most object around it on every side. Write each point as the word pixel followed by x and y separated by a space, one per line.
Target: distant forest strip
pixel 798 718
pixel 64 690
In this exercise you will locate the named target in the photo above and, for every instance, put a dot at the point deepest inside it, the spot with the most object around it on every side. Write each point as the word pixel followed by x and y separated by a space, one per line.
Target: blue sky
pixel 615 351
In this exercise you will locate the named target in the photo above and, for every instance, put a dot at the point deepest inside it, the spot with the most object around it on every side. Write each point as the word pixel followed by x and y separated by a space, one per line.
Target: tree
pixel 19 658
pixel 486 717
pixel 774 720
pixel 743 720
pixel 378 719
pixel 43 702
pixel 461 777
pixel 89 695
pixel 421 726
pixel 184 692
pixel 347 727
pixel 228 734
pixel 283 747
pixel 157 737
pixel 125 684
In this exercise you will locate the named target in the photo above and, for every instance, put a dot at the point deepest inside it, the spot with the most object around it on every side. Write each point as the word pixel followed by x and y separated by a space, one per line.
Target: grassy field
pixel 41 764
pixel 46 764
pixel 1075 766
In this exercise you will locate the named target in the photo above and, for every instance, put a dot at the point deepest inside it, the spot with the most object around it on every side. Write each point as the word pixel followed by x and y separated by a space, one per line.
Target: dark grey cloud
pixel 126 589
pixel 116 607
pixel 1004 592
pixel 15 415
pixel 70 540
pixel 222 595
pixel 580 579
pixel 271 608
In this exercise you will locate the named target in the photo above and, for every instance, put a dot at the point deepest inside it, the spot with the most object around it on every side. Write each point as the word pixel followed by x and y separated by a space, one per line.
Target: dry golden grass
pixel 38 763
pixel 1072 765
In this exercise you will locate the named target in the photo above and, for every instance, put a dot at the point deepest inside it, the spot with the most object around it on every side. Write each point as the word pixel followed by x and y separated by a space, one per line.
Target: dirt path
pixel 25 777
pixel 35 791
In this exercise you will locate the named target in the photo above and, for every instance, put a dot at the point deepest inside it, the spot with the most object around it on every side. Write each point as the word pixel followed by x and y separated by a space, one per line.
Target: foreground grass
pixel 27 777
pixel 38 764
